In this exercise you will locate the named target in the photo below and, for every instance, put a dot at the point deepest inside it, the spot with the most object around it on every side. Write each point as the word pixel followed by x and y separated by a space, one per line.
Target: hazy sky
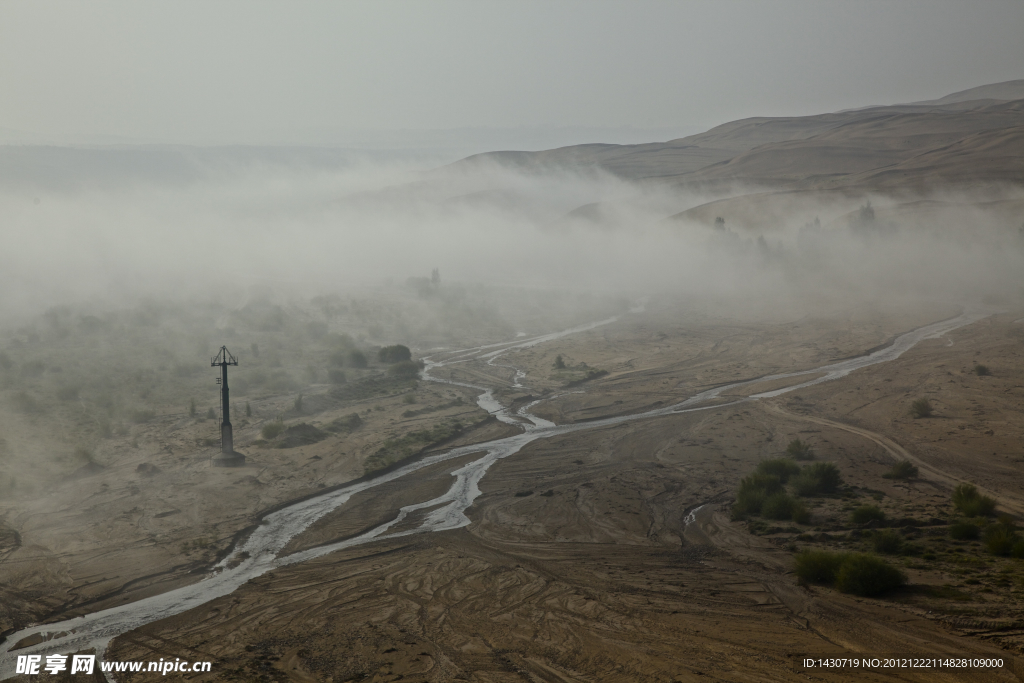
pixel 284 72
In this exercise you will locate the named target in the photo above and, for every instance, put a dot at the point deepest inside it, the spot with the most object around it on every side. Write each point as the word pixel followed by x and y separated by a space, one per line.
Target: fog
pixel 301 229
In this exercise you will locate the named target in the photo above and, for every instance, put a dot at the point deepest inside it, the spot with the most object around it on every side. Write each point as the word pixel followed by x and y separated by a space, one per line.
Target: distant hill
pixel 1007 90
pixel 966 137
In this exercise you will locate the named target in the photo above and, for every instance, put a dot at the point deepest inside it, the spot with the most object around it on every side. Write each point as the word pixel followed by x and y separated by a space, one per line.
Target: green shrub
pixel 963 531
pixel 210 414
pixel 863 574
pixel 1001 537
pixel 981 370
pixel 922 407
pixel 778 505
pixel 335 376
pixel 355 359
pixel 394 354
pixel 904 469
pixel 867 513
pixel 798 450
pixel 272 429
pixel 821 477
pixel 783 468
pixel 970 503
pixel 818 566
pixel 888 542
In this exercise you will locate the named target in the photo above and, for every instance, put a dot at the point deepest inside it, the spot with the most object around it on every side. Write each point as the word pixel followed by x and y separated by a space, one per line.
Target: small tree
pixel 981 370
pixel 248 409
pixel 559 364
pixel 394 354
pixel 298 404
pixel 922 407
pixel 192 407
pixel 719 223
pixel 210 414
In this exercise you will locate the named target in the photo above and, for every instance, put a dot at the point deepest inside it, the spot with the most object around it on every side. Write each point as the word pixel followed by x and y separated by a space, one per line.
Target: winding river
pixel 262 548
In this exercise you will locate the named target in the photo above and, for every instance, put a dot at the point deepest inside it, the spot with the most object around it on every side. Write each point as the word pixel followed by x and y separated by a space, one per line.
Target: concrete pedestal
pixel 228 460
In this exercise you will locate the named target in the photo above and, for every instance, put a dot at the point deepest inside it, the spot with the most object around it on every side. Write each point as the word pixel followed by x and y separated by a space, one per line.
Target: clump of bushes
pixel 857 573
pixel 922 407
pixel 1001 537
pixel 818 478
pixel 818 566
pixel 865 574
pixel 981 370
pixel 762 493
pixel 778 506
pixel 783 468
pixel 867 513
pixel 904 469
pixel 348 423
pixel 753 492
pixel 301 434
pixel 970 503
pixel 798 450
pixel 394 354
pixel 781 505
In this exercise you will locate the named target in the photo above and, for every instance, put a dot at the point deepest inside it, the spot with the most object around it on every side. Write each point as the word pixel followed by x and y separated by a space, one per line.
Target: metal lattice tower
pixel 227 446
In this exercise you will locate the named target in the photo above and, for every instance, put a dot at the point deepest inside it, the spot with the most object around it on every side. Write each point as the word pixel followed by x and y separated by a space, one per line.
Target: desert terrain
pixel 604 554
pixel 511 480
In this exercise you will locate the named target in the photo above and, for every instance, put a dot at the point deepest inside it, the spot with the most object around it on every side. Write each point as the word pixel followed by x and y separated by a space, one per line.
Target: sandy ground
pixel 583 561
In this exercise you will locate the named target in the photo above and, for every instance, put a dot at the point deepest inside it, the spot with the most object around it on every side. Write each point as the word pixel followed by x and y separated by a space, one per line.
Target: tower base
pixel 228 460
pixel 228 457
